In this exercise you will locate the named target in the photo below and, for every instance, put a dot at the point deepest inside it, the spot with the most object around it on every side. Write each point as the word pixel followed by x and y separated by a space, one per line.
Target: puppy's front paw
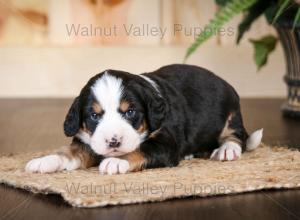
pixel 47 164
pixel 113 165
pixel 228 151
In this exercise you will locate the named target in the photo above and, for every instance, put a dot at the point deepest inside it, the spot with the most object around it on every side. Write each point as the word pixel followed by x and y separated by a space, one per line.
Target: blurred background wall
pixel 50 48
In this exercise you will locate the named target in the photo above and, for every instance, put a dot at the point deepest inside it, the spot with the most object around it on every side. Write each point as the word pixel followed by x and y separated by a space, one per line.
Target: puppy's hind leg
pixel 232 139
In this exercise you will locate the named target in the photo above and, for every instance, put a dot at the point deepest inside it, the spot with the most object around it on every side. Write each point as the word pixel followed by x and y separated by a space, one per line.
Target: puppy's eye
pixel 95 116
pixel 130 113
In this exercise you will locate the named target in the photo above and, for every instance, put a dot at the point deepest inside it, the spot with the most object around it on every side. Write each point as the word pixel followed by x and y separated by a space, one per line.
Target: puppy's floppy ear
pixel 72 121
pixel 156 110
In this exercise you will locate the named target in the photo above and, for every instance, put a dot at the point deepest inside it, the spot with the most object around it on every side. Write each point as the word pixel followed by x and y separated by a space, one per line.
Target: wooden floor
pixel 36 125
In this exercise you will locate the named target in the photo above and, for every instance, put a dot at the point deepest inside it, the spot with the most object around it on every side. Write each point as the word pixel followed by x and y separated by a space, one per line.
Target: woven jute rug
pixel 263 168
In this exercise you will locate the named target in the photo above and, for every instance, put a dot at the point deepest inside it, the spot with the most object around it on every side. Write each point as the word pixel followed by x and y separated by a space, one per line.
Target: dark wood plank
pixel 36 124
pixel 266 113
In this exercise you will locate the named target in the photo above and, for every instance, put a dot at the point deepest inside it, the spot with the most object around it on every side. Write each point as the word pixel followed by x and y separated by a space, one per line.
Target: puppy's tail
pixel 254 140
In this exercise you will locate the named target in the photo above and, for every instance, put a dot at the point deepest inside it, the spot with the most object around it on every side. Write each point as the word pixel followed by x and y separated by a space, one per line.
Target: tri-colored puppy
pixel 123 122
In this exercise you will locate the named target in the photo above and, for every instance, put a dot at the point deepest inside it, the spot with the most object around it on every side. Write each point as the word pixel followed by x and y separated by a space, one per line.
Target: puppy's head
pixel 115 112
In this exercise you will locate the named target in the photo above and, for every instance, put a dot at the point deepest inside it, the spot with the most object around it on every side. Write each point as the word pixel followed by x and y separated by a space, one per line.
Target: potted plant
pixel 284 15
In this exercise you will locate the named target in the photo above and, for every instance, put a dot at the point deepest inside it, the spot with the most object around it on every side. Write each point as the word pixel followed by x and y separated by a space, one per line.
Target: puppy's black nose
pixel 114 143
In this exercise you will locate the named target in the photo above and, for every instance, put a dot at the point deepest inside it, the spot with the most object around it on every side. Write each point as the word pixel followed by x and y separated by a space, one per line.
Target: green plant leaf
pixel 252 14
pixel 297 18
pixel 226 13
pixel 262 49
pixel 284 5
pixel 271 12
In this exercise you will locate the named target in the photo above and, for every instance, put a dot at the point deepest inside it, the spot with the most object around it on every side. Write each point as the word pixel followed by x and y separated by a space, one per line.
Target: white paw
pixel 113 165
pixel 47 164
pixel 189 157
pixel 228 151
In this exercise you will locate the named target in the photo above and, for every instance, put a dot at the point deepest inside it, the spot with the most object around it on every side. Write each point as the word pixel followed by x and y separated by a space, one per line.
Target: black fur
pixel 161 150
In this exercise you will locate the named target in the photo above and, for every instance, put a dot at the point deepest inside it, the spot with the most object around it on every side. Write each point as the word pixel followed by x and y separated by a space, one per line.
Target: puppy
pixel 123 122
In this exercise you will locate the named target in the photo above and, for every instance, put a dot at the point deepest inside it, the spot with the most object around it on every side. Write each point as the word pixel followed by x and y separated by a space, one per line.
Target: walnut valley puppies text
pixel 142 30
pixel 146 188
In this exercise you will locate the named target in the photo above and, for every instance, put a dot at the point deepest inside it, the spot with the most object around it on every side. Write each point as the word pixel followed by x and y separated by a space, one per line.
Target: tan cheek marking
pixel 143 127
pixel 124 106
pixel 136 160
pixel 86 130
pixel 97 108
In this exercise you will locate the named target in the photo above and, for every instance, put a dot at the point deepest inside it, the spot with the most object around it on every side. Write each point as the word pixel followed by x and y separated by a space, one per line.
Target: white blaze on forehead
pixel 108 91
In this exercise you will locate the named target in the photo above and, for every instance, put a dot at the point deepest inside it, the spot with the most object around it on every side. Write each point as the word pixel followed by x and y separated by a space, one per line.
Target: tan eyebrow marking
pixel 124 106
pixel 97 108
